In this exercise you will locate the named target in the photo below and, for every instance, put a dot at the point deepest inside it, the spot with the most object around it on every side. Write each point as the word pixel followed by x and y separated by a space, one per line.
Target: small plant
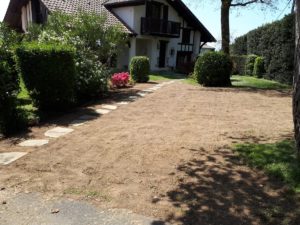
pixel 213 69
pixel 120 80
pixel 249 67
pixel 140 69
pixel 259 67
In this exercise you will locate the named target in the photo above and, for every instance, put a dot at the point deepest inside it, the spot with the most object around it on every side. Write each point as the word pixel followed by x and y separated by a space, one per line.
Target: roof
pixel 68 6
pixel 193 21
pixel 103 7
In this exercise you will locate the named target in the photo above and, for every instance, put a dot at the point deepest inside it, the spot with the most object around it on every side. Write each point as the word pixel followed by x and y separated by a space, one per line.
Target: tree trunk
pixel 296 83
pixel 225 25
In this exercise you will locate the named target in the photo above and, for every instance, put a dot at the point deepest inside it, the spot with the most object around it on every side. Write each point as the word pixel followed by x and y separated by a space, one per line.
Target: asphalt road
pixel 32 209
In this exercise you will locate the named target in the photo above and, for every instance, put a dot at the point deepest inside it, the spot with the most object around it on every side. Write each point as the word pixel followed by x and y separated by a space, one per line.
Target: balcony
pixel 158 27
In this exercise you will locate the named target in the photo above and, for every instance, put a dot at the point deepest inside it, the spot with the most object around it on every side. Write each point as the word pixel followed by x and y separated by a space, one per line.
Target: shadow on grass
pixel 218 189
pixel 166 75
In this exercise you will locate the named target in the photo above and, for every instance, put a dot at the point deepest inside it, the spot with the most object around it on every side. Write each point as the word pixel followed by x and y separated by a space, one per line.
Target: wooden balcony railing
pixel 160 27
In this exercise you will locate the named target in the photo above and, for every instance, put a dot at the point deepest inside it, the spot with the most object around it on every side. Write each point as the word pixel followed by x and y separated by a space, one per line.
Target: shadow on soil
pixel 67 118
pixel 216 190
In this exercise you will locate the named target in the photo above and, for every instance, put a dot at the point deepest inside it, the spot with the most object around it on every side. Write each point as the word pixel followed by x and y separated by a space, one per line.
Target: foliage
pixel 276 43
pixel 140 68
pixel 8 37
pixel 279 160
pixel 120 79
pixel 239 47
pixel 92 76
pixel 213 69
pixel 49 74
pixel 253 82
pixel 96 45
pixel 9 88
pixel 259 67
pixel 249 66
pixel 239 63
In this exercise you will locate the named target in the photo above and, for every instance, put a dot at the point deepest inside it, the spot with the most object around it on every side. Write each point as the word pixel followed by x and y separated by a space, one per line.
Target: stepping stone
pixel 77 123
pixel 87 117
pixel 110 107
pixel 123 103
pixel 148 90
pixel 34 143
pixel 102 111
pixel 133 97
pixel 9 157
pixel 58 132
pixel 141 94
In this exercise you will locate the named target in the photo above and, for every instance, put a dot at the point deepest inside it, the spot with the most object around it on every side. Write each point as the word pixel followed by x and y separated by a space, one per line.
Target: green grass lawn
pixel 237 81
pixel 257 83
pixel 278 160
pixel 165 75
pixel 25 105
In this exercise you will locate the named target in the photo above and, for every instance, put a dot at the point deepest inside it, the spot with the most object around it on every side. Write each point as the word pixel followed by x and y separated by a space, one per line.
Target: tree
pixel 296 84
pixel 226 5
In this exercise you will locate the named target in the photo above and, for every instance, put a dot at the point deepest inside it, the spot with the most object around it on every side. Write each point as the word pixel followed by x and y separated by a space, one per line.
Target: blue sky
pixel 242 20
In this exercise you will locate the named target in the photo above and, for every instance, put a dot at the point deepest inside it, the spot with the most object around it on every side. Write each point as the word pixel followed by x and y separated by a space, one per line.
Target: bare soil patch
pixel 165 155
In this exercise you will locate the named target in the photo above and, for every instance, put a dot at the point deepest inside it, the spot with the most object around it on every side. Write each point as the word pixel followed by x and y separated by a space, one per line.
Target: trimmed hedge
pixel 9 88
pixel 239 63
pixel 213 69
pixel 259 67
pixel 249 66
pixel 49 73
pixel 140 69
pixel 276 43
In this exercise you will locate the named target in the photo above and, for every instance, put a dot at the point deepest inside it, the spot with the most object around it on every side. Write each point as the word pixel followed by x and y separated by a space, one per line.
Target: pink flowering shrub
pixel 120 79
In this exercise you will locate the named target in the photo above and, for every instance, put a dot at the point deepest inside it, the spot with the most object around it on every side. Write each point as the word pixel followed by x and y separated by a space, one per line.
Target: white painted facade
pixel 149 45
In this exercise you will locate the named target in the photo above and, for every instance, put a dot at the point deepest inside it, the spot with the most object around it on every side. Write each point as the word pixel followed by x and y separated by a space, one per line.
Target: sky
pixel 242 19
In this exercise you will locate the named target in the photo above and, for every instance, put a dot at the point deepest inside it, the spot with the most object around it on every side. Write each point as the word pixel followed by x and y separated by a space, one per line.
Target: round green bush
pixel 213 69
pixel 249 67
pixel 259 67
pixel 140 69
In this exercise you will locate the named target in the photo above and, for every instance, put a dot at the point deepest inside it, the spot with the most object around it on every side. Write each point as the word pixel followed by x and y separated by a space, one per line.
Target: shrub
pixel 249 66
pixel 140 69
pixel 120 79
pixel 259 67
pixel 9 88
pixel 239 63
pixel 92 76
pixel 213 69
pixel 276 43
pixel 49 74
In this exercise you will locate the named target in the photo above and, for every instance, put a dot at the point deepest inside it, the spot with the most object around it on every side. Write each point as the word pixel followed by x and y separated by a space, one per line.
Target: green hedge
pixel 259 67
pixel 9 88
pixel 49 74
pixel 140 69
pixel 239 63
pixel 213 69
pixel 276 43
pixel 249 66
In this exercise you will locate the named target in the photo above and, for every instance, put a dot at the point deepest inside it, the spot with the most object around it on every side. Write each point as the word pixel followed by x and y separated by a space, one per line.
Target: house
pixel 207 48
pixel 164 30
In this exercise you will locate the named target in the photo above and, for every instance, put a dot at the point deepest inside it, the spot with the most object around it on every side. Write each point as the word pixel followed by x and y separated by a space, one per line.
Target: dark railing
pixel 160 27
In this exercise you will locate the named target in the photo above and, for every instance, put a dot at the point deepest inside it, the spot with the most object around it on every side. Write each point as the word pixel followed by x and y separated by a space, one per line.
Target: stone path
pixel 57 132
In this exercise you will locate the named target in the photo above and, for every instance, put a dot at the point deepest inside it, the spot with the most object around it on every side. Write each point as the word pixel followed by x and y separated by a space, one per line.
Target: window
pixel 186 34
pixel 26 16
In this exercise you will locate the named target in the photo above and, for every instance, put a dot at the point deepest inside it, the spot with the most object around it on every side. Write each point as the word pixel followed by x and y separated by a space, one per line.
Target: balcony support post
pixel 132 49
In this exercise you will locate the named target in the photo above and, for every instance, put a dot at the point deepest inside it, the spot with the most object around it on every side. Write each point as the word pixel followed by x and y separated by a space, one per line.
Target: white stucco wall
pixel 148 44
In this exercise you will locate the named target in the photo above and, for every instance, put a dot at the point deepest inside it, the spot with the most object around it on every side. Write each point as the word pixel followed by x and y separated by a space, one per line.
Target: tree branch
pixel 248 3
